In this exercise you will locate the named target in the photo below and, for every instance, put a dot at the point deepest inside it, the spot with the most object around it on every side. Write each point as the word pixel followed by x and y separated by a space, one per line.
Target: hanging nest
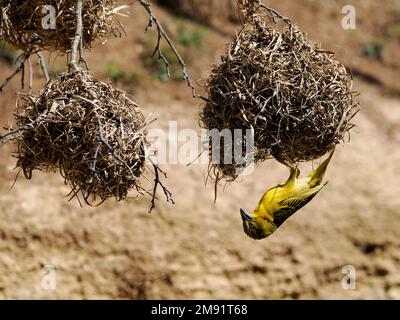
pixel 21 23
pixel 296 97
pixel 94 134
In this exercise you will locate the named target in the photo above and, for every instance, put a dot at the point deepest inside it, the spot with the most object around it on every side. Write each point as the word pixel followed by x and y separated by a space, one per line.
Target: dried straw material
pixel 90 131
pixel 21 23
pixel 296 97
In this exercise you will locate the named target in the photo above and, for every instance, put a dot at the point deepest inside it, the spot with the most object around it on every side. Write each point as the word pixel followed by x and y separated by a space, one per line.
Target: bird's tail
pixel 294 174
pixel 318 175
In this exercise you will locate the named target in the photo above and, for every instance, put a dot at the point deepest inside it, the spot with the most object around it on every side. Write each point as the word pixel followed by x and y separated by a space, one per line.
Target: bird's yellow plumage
pixel 280 202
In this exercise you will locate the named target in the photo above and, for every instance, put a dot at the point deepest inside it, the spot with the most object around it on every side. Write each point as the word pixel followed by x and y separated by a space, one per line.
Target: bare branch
pixel 163 35
pixel 12 135
pixel 158 182
pixel 30 76
pixel 78 35
pixel 20 68
pixel 43 67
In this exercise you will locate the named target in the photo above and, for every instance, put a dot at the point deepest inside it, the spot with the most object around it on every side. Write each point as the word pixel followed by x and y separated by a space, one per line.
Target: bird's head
pixel 256 227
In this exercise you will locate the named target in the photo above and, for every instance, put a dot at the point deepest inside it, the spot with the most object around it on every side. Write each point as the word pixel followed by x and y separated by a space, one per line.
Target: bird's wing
pixel 268 202
pixel 291 204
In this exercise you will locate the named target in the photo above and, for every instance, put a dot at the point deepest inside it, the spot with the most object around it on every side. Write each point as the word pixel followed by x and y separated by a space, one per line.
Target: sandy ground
pixel 197 249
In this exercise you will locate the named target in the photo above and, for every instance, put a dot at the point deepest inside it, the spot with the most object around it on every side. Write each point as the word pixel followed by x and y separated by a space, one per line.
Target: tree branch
pixel 42 65
pixel 163 35
pixel 20 67
pixel 78 35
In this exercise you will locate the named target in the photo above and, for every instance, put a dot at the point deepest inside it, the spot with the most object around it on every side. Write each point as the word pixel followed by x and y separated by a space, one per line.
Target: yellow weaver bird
pixel 279 203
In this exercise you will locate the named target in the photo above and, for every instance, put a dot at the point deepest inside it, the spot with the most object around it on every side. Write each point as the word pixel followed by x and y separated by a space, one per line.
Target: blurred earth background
pixel 196 249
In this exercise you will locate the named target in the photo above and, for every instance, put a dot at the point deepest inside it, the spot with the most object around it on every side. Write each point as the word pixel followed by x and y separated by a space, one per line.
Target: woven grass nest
pixel 21 23
pixel 94 134
pixel 296 97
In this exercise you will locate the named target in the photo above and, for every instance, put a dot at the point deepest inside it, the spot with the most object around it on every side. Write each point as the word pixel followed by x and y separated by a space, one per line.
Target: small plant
pixel 157 66
pixel 373 50
pixel 190 38
pixel 393 31
pixel 113 71
pixel 161 72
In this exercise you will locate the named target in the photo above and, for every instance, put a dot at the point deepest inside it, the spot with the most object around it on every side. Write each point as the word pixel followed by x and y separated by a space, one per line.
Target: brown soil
pixel 195 248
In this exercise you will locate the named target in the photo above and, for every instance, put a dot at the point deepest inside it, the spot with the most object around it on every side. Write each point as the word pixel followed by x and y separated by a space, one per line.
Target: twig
pixel 105 142
pixel 30 76
pixel 158 182
pixel 216 187
pixel 81 57
pixel 12 134
pixel 247 8
pixel 23 75
pixel 20 67
pixel 78 35
pixel 163 35
pixel 42 65
pixel 93 164
pixel 275 14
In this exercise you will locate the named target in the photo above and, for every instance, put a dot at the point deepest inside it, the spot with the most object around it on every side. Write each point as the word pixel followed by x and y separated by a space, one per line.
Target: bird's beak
pixel 245 215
